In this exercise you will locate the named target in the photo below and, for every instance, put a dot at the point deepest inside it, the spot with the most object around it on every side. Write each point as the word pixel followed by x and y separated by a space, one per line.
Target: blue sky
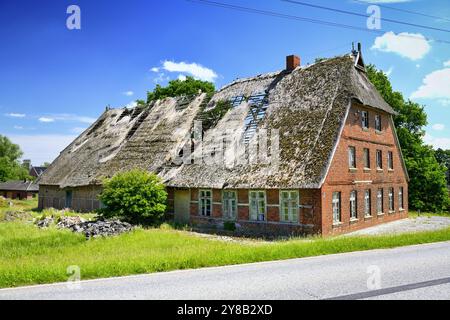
pixel 54 81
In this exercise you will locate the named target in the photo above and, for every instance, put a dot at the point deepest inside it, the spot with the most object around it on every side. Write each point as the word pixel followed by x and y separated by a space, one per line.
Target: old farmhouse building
pixel 340 165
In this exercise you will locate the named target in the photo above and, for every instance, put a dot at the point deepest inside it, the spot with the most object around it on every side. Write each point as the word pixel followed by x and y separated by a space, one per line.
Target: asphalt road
pixel 416 272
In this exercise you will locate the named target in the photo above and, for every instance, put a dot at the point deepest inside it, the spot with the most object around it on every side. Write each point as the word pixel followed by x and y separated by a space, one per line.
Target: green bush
pixel 136 196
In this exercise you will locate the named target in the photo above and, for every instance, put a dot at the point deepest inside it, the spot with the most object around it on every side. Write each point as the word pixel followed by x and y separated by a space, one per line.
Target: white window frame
pixel 379 159
pixel 365 119
pixel 391 193
pixel 380 201
pixel 367 203
pixel 203 202
pixel 401 199
pixel 255 204
pixel 352 157
pixel 229 203
pixel 378 125
pixel 353 205
pixel 291 204
pixel 390 160
pixel 336 207
pixel 366 153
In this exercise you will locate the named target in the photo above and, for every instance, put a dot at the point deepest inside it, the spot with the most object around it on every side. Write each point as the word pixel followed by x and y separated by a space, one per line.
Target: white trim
pixel 265 205
pixel 397 142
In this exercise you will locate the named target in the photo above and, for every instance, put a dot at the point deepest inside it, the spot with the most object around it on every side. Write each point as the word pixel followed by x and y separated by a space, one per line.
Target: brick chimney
pixel 292 62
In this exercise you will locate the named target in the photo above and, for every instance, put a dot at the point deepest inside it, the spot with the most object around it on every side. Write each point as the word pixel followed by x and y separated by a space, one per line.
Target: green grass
pixel 415 214
pixel 29 255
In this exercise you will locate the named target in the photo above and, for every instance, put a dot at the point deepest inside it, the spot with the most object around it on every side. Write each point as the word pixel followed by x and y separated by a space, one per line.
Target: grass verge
pixel 29 255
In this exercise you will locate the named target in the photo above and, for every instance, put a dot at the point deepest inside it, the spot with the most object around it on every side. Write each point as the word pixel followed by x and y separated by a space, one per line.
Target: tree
pixel 10 168
pixel 177 88
pixel 427 187
pixel 136 196
pixel 443 157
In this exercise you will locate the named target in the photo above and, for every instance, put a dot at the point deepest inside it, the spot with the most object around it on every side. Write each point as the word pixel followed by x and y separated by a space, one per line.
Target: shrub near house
pixel 136 196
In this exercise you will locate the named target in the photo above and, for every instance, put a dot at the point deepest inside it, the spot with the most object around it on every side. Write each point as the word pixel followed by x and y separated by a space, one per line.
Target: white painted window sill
pixel 367 217
pixel 337 224
pixel 380 214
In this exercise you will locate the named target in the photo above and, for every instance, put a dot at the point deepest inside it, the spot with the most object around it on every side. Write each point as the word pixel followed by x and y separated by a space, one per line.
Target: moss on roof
pixel 308 106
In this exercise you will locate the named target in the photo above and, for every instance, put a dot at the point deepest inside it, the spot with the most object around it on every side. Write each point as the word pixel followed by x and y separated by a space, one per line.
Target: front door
pixel 182 205
pixel 69 199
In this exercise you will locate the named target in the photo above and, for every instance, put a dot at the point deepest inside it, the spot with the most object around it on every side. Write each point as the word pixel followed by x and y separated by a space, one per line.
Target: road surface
pixel 416 272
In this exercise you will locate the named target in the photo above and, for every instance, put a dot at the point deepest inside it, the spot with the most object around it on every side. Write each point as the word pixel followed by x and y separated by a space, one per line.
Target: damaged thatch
pixel 308 106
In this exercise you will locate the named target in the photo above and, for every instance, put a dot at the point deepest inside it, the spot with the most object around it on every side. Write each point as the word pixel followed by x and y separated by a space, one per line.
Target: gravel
pixel 419 224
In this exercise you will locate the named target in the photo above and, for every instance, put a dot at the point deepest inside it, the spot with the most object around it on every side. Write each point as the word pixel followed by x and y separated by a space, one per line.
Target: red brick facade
pixel 315 210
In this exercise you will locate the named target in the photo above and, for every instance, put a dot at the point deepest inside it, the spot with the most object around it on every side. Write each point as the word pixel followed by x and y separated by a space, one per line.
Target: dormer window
pixel 365 120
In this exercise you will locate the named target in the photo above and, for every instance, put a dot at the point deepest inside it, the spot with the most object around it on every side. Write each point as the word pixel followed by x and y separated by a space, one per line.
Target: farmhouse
pixel 19 189
pixel 306 150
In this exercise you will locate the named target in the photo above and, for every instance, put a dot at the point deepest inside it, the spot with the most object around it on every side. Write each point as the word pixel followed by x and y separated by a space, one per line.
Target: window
pixel 352 157
pixel 353 205
pixel 365 119
pixel 378 122
pixel 379 159
pixel 289 206
pixel 366 158
pixel 380 205
pixel 336 207
pixel 205 202
pixel 229 199
pixel 257 205
pixel 391 200
pixel 400 199
pixel 390 160
pixel 367 204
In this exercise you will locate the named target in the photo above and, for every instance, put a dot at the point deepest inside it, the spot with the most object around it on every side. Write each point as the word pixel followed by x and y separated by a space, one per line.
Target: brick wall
pixel 342 179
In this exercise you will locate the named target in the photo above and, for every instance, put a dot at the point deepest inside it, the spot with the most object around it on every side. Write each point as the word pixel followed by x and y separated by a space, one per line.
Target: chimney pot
pixel 292 62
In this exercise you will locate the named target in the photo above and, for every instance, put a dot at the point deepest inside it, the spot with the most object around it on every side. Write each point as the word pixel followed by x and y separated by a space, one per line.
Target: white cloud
pixel 438 127
pixel 46 120
pixel 436 85
pixel 413 46
pixel 77 130
pixel 182 77
pixel 42 148
pixel 67 117
pixel 443 143
pixel 16 115
pixel 128 93
pixel 161 78
pixel 155 69
pixel 417 66
pixel 132 104
pixel 18 127
pixel 194 69
pixel 447 63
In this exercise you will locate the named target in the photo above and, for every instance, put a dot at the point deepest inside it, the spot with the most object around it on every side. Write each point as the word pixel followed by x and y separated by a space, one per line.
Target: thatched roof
pixel 308 106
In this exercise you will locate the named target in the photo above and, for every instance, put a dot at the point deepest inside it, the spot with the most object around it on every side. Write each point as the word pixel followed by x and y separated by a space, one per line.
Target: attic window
pixel 258 105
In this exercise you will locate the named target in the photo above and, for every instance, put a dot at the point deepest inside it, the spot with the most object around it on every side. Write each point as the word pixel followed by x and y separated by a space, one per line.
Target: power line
pixel 364 16
pixel 298 18
pixel 402 10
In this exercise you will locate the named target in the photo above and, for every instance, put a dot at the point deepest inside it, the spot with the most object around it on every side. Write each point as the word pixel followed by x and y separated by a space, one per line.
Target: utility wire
pixel 402 10
pixel 301 3
pixel 298 18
